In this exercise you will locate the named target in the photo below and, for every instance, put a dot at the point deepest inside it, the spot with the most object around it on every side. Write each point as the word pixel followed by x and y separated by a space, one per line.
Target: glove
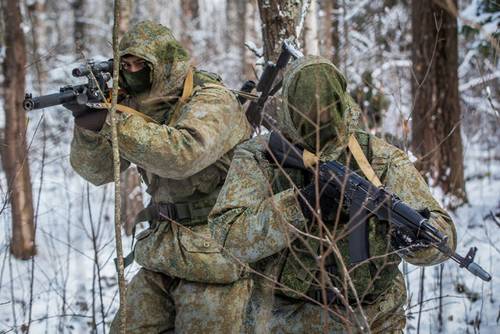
pixel 87 118
pixel 93 120
pixel 76 109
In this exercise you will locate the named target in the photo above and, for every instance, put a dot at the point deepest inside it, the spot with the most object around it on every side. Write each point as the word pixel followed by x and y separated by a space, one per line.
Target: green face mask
pixel 312 90
pixel 137 82
pixel 308 131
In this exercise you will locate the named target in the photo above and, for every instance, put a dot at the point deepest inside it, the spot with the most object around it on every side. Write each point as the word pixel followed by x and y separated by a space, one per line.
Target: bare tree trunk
pixel 436 116
pixel 279 21
pixel 79 26
pixel 329 31
pixel 325 28
pixel 345 46
pixel 131 198
pixel 236 36
pixel 36 12
pixel 335 34
pixel 126 9
pixel 13 149
pixel 131 191
pixel 190 21
pixel 252 24
pixel 311 34
pixel 116 172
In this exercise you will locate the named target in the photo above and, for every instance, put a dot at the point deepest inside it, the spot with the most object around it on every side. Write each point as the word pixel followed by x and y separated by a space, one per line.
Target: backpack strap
pixel 187 91
pixel 123 109
pixel 362 161
pixel 358 242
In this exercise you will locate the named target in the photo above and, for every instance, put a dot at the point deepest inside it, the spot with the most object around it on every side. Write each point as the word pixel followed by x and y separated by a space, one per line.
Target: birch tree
pixel 131 191
pixel 36 14
pixel 311 33
pixel 252 34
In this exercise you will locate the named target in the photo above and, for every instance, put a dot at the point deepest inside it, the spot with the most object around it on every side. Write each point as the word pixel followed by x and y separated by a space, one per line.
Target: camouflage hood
pixel 314 92
pixel 168 62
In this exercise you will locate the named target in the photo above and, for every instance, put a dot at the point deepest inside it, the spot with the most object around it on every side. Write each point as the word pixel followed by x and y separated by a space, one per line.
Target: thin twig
pixel 116 170
pixel 420 297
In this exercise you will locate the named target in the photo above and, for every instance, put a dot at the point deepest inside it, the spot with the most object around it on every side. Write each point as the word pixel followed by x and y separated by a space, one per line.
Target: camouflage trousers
pixel 291 316
pixel 157 303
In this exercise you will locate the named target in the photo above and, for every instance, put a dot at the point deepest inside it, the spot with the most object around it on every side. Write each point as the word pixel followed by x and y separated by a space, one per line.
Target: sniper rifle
pixel 98 74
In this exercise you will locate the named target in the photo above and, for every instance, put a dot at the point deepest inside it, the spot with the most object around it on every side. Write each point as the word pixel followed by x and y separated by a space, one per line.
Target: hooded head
pixel 167 64
pixel 316 110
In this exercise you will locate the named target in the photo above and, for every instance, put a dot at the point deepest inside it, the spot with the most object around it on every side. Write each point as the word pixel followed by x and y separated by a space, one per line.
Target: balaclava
pixel 316 111
pixel 167 64
pixel 137 82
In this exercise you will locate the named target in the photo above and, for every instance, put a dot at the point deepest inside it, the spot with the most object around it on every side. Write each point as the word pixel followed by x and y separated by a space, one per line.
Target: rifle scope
pixel 86 69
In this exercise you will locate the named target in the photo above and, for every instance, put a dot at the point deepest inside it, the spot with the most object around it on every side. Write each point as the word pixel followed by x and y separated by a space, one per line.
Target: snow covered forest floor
pixel 72 283
pixel 462 303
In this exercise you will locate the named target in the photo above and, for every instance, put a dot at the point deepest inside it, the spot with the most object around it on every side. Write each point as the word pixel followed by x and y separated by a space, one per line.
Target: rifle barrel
pixel 45 101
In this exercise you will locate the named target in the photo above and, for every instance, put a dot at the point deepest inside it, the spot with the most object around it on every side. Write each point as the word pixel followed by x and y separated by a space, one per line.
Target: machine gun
pixel 265 86
pixel 98 74
pixel 362 199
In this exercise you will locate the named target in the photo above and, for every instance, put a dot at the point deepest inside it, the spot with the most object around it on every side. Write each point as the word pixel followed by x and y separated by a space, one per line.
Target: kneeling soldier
pixel 285 224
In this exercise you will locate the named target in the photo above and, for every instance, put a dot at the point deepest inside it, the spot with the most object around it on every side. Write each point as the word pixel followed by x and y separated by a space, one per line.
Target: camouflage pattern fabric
pixel 285 315
pixel 257 215
pixel 182 158
pixel 163 304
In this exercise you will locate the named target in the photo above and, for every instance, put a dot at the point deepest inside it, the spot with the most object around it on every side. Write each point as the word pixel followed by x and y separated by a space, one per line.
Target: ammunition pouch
pixel 187 214
pixel 178 243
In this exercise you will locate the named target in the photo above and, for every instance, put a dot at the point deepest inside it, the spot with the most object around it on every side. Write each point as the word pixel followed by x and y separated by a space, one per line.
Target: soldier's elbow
pixel 97 179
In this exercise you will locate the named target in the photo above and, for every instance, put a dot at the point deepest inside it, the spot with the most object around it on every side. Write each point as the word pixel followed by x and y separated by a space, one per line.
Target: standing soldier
pixel 277 220
pixel 181 142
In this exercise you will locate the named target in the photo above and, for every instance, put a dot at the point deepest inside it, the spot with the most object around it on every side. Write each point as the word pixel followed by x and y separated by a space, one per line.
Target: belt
pixel 185 213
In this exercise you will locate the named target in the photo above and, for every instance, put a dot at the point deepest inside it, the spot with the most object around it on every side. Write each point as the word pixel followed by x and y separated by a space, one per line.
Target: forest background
pixel 443 110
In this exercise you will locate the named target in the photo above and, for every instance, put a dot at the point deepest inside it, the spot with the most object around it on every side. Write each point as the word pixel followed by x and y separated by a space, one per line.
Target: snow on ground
pixel 68 292
pixel 469 305
pixel 66 288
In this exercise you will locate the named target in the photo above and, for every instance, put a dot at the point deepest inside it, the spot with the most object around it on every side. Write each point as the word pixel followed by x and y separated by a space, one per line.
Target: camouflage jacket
pixel 257 215
pixel 184 156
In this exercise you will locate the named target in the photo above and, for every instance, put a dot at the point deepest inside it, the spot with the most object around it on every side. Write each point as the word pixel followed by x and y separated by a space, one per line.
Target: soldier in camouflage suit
pixel 260 219
pixel 183 156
